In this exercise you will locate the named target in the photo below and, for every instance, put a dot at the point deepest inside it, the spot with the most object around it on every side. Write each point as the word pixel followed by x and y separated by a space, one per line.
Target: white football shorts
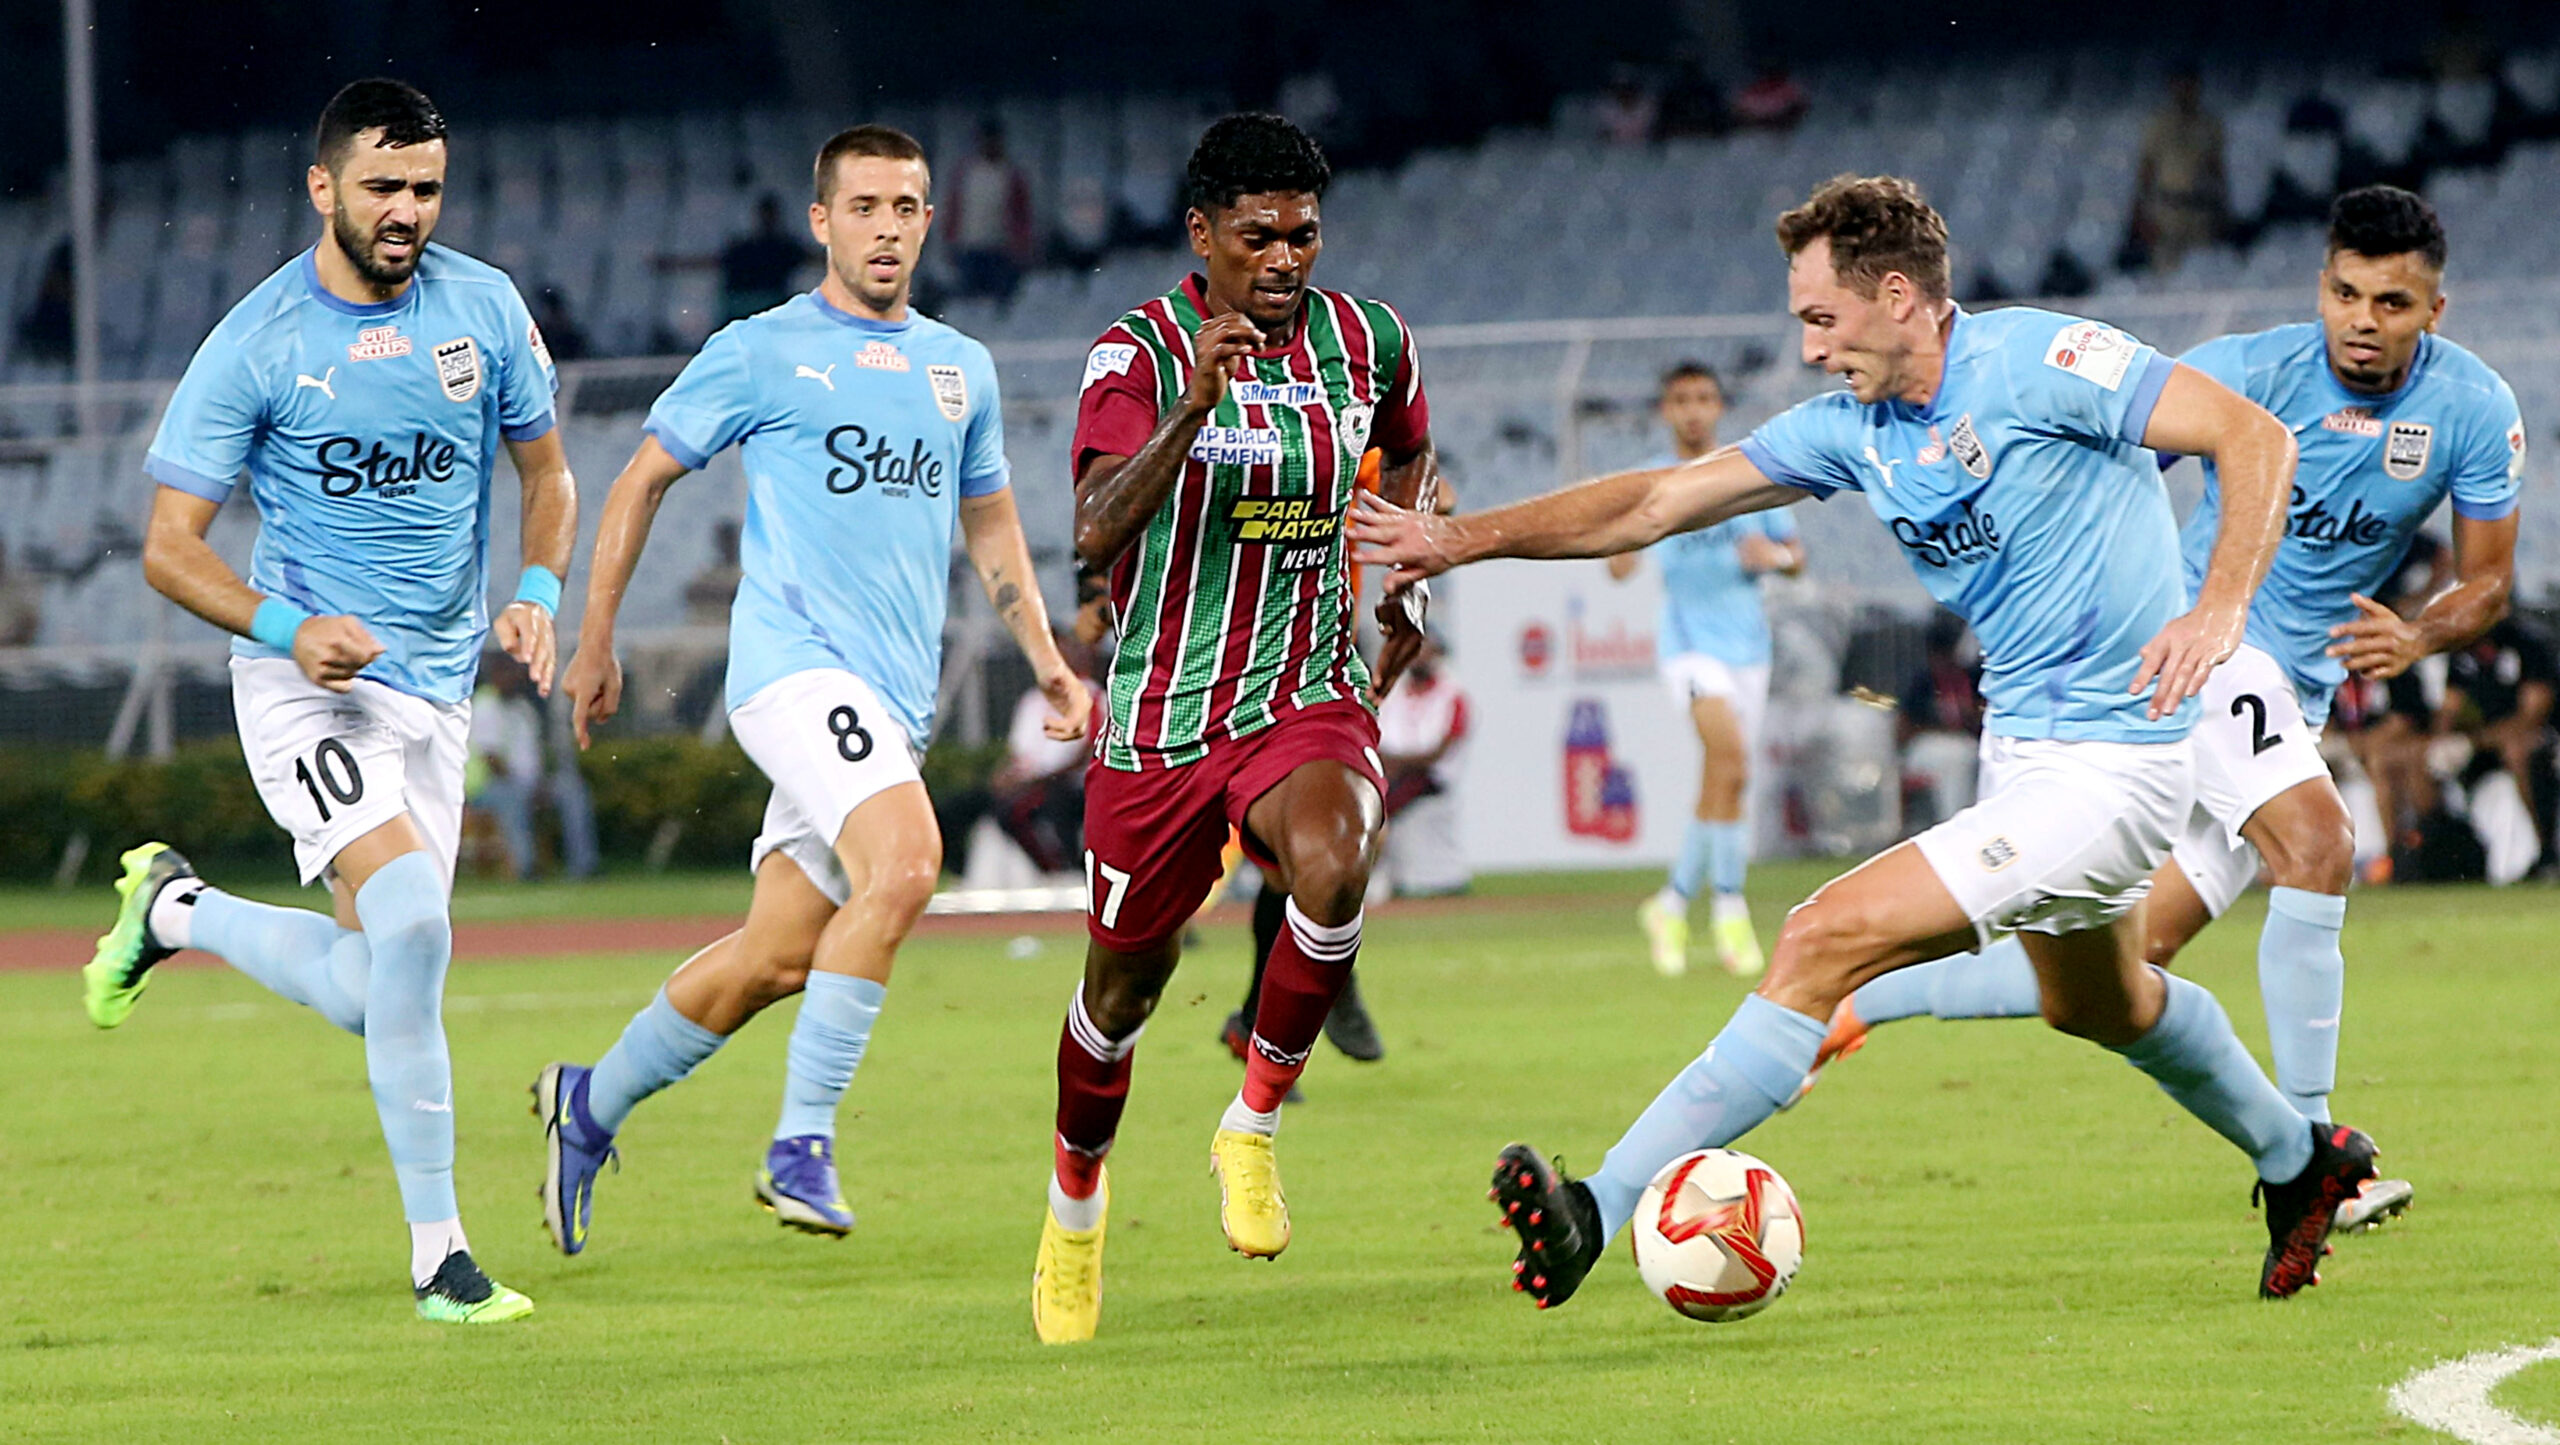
pixel 333 766
pixel 2251 745
pixel 1743 686
pixel 2065 835
pixel 829 746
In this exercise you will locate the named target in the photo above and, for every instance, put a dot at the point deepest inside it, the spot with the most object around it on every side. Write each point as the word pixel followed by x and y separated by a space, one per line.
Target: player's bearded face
pixel 874 226
pixel 1259 253
pixel 2373 310
pixel 385 203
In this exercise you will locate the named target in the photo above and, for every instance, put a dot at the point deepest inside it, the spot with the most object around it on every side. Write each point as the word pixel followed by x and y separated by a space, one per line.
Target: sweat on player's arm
pixel 2380 643
pixel 2253 455
pixel 993 529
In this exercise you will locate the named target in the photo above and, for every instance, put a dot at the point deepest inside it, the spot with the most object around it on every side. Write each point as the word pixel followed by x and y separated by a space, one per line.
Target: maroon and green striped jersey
pixel 1236 602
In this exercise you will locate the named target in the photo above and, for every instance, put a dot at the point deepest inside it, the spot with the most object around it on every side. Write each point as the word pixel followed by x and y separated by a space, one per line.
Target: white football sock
pixel 429 1244
pixel 1244 1120
pixel 1076 1216
pixel 172 920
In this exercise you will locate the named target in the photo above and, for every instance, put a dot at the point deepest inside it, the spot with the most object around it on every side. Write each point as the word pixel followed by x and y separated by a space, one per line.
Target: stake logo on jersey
pixel 1235 601
pixel 2051 533
pixel 368 451
pixel 2371 470
pixel 859 438
pixel 458 368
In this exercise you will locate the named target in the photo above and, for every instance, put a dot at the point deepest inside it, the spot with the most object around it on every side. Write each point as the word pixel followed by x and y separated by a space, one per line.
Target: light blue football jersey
pixel 368 432
pixel 2023 498
pixel 2372 469
pixel 859 439
pixel 1710 605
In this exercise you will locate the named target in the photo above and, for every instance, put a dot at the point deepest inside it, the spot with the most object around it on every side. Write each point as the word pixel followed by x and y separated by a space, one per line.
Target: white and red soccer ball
pixel 1717 1235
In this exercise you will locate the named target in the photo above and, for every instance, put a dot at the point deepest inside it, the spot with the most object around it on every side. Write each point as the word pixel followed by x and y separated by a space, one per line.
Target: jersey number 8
pixel 853 741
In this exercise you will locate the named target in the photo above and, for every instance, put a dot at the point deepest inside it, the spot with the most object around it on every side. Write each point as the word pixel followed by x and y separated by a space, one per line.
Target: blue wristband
pixel 541 586
pixel 275 623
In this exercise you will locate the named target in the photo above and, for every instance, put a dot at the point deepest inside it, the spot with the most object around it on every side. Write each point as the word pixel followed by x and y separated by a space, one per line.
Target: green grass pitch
pixel 2012 1236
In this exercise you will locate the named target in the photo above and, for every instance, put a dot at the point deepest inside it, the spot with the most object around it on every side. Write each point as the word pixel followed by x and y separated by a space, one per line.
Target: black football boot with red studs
pixel 1556 1219
pixel 2301 1211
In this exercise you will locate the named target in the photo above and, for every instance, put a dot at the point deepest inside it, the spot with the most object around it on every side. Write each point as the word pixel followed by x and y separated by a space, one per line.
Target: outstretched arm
pixel 594 680
pixel 524 628
pixel 2253 458
pixel 2381 643
pixel 993 531
pixel 1598 518
pixel 181 566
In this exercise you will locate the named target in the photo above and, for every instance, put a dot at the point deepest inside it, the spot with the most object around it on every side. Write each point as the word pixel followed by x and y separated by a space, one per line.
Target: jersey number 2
pixel 316 774
pixel 2256 707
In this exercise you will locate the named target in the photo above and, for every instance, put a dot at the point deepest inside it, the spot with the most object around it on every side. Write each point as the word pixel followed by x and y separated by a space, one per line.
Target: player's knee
pixel 1328 881
pixel 902 888
pixel 780 974
pixel 2158 950
pixel 2105 1023
pixel 1822 942
pixel 2318 856
pixel 1119 1005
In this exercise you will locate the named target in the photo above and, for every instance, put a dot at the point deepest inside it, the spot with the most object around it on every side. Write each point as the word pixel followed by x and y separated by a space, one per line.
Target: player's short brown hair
pixel 885 141
pixel 1876 225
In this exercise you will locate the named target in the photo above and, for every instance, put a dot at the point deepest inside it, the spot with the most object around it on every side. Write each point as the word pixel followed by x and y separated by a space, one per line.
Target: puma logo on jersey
pixel 318 383
pixel 1881 465
pixel 826 378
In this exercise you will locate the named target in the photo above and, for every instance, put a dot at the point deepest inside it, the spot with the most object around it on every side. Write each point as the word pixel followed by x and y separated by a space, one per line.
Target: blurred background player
pixel 1715 659
pixel 866 431
pixel 1217 444
pixel 2391 419
pixel 365 388
pixel 2005 452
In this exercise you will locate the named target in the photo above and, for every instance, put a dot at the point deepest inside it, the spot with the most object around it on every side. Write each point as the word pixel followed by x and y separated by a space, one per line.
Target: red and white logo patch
pixel 880 356
pixel 378 343
pixel 2515 451
pixel 2092 351
pixel 533 338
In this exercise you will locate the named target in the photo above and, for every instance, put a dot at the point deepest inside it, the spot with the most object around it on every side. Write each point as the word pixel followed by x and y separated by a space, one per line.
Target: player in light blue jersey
pixel 867 432
pixel 364 389
pixel 2391 420
pixel 1714 646
pixel 2007 454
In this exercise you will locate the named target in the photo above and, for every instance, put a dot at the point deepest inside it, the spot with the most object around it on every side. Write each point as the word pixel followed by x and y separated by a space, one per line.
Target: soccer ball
pixel 1717 1235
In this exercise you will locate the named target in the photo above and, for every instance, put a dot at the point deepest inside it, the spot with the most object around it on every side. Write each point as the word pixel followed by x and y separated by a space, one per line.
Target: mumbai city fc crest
pixel 1997 854
pixel 950 391
pixel 2405 448
pixel 1355 427
pixel 1969 450
pixel 458 368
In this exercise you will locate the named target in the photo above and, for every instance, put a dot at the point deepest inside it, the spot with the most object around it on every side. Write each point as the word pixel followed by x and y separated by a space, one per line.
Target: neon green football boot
pixel 115 976
pixel 461 1294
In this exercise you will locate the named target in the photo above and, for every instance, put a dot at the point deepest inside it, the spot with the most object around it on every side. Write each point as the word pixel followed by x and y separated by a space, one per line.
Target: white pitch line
pixel 2454 1397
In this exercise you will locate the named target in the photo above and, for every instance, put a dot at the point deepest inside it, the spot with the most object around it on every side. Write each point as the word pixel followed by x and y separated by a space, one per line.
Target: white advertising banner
pixel 1577 755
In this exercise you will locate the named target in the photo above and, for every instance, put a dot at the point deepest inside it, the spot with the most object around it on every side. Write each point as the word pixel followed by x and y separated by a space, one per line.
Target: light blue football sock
pixel 2197 1060
pixel 1728 855
pixel 1754 1066
pixel 836 1015
pixel 402 908
pixel 1697 852
pixel 1997 983
pixel 657 1048
pixel 2302 979
pixel 298 954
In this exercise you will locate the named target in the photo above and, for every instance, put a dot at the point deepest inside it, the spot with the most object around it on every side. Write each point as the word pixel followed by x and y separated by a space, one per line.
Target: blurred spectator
pixel 44 331
pixel 21 605
pixel 708 593
pixel 1038 791
pixel 1421 726
pixel 1938 722
pixel 2498 695
pixel 516 762
pixel 1772 101
pixel 1084 222
pixel 761 270
pixel 562 336
pixel 1628 108
pixel 988 209
pixel 2181 197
